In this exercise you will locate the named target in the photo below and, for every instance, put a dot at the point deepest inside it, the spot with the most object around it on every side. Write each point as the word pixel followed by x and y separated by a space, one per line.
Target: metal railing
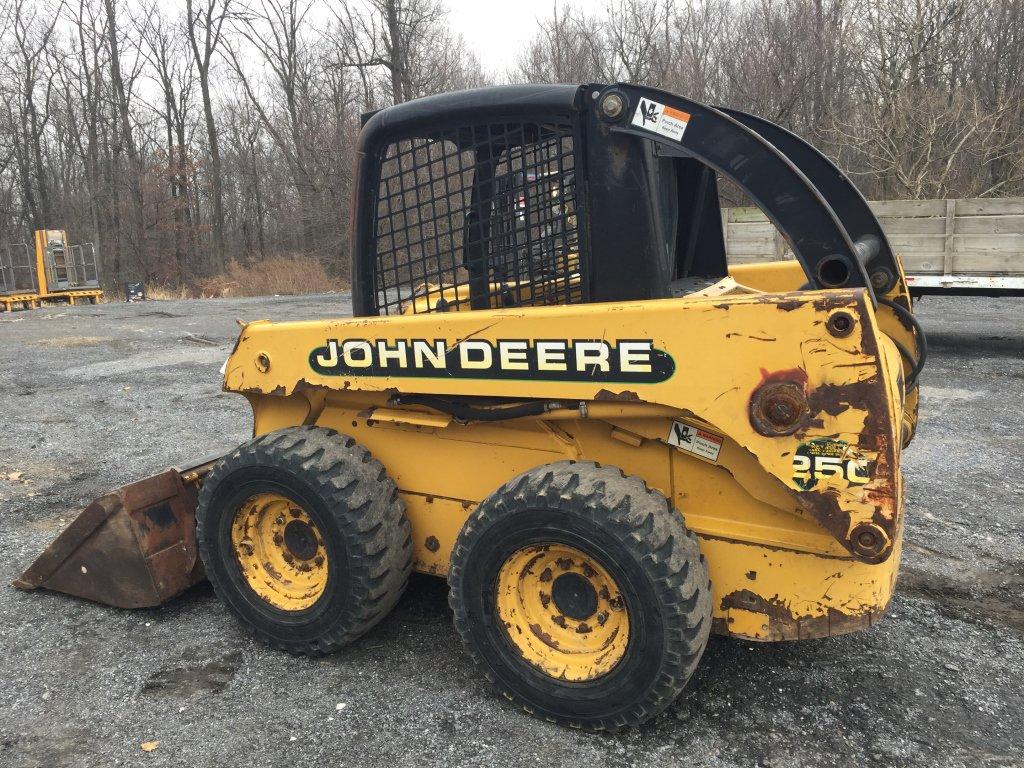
pixel 17 270
pixel 67 268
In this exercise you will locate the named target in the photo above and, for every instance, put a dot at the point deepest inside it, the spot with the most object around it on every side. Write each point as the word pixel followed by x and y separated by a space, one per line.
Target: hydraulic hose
pixel 916 366
pixel 465 413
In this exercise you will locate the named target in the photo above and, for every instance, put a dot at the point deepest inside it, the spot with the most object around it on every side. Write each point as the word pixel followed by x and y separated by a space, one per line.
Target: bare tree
pixel 28 105
pixel 275 28
pixel 233 124
pixel 174 71
pixel 204 25
pixel 408 41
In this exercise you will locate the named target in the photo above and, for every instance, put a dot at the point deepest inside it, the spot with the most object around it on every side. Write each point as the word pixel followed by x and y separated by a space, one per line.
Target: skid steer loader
pixel 556 393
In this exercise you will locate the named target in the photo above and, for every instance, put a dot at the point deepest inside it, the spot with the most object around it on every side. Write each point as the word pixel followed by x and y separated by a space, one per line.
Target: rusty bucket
pixel 134 547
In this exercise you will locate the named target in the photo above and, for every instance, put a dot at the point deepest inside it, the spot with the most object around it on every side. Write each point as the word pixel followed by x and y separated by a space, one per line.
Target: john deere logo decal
pixel 626 361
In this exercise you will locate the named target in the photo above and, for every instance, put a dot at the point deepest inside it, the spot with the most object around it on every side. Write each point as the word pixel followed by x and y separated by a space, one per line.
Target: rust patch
pixel 583 628
pixel 752 575
pixel 564 563
pixel 627 395
pixel 544 636
pixel 545 575
pixel 545 599
pixel 837 301
pixel 271 570
pixel 794 375
pixel 783 625
pixel 559 620
pixel 303 385
pixel 876 437
pixel 778 407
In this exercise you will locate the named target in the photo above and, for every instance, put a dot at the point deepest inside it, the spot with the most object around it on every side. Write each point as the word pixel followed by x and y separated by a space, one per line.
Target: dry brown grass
pixel 158 292
pixel 279 275
pixel 276 276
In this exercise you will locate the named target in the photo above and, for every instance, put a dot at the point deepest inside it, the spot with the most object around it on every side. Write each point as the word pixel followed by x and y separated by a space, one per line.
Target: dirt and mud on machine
pixel 557 394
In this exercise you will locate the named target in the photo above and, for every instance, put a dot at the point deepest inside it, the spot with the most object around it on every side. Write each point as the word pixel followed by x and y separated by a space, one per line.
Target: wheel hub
pixel 574 596
pixel 562 612
pixel 300 539
pixel 280 551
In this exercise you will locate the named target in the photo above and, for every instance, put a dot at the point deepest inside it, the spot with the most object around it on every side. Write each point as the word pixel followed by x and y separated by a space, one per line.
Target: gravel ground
pixel 93 397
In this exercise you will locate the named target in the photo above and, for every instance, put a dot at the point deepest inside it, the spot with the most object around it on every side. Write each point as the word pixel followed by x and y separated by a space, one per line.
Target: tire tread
pixel 651 528
pixel 367 508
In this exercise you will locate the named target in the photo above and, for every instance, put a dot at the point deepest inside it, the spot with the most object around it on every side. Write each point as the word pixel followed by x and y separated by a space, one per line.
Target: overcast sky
pixel 499 29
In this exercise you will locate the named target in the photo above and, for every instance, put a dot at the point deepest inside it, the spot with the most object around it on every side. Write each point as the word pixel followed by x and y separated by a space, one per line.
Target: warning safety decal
pixel 699 442
pixel 652 116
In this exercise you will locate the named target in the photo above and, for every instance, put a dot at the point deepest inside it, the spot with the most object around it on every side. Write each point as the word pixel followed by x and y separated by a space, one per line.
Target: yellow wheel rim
pixel 280 551
pixel 562 612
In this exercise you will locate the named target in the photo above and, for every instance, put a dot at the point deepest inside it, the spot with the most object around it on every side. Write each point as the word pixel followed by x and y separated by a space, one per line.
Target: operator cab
pixel 559 194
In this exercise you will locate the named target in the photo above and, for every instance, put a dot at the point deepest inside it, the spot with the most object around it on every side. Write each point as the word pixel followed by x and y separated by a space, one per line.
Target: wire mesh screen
pixel 478 217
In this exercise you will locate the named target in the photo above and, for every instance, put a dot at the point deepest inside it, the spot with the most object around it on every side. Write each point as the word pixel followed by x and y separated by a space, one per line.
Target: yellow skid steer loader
pixel 557 394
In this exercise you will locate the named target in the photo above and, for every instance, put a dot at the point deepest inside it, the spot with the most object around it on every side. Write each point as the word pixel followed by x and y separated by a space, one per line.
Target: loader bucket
pixel 134 547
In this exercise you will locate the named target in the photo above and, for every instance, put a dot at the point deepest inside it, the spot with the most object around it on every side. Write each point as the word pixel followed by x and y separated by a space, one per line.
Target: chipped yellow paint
pixel 749 624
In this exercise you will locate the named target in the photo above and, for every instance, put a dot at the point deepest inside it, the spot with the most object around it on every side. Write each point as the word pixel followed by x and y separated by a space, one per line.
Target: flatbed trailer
pixel 964 247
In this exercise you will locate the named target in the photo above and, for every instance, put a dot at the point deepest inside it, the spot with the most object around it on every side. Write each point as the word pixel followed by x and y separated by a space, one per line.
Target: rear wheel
pixel 582 595
pixel 304 537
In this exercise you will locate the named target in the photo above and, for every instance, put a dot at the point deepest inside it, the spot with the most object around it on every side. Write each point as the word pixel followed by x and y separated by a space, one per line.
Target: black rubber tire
pixel 360 516
pixel 639 538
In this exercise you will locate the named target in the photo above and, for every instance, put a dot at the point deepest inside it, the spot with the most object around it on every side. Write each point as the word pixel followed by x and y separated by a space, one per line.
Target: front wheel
pixel 582 595
pixel 304 537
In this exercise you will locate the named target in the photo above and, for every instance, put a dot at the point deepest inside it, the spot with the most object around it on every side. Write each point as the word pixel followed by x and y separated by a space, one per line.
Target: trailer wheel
pixel 304 537
pixel 581 595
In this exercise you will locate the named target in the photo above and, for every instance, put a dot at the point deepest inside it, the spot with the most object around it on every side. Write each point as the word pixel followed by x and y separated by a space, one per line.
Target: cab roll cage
pixel 644 212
